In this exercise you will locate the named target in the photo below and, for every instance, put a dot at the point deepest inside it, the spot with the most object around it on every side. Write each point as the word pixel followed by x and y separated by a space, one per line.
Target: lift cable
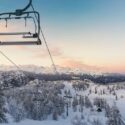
pixel 12 62
pixel 46 44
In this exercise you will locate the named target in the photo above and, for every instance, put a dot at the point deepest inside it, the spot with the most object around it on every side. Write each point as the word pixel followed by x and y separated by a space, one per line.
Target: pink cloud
pixel 56 52
pixel 71 63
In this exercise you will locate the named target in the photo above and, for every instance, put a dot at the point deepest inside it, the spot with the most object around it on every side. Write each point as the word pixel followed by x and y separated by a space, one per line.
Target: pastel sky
pixel 85 34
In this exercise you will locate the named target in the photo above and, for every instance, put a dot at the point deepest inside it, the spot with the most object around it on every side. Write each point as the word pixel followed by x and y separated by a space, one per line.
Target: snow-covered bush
pixel 78 121
pixel 96 122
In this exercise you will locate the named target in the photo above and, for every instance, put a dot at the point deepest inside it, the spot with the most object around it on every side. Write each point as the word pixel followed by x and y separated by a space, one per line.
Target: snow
pixel 41 69
pixel 47 122
pixel 89 115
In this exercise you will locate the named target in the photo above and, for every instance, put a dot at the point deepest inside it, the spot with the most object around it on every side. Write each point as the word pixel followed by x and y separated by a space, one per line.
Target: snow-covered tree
pixel 88 103
pixel 78 121
pixel 17 110
pixel 2 108
pixel 75 103
pixel 115 117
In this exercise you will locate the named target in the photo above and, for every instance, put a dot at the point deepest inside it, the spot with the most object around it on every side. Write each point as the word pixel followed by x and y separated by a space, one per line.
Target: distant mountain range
pixel 47 73
pixel 41 69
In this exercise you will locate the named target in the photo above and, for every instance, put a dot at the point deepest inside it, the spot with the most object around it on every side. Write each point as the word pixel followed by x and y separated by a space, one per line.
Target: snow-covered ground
pixel 114 94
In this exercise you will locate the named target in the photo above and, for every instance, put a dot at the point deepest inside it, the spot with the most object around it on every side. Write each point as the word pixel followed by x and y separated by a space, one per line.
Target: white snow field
pixel 114 94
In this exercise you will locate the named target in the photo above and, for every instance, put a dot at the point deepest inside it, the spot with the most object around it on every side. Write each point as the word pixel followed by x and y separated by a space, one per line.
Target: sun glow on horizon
pixel 84 35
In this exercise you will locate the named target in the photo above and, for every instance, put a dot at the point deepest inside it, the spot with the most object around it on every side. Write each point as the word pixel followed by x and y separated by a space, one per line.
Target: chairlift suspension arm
pixel 25 8
pixel 21 10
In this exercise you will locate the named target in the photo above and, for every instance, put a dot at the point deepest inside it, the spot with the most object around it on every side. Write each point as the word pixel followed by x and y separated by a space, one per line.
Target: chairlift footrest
pixel 9 43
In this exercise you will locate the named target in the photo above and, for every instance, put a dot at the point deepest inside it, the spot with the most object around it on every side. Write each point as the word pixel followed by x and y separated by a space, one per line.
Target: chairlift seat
pixel 14 33
pixel 19 14
pixel 38 42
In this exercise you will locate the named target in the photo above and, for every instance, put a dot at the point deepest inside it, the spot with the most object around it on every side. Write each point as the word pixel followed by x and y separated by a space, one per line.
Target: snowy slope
pixel 108 93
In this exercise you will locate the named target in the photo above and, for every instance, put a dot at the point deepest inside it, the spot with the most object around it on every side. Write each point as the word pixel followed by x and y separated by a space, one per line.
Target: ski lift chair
pixel 19 14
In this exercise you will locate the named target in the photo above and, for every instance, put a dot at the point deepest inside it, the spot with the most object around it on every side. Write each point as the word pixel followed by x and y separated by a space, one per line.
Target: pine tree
pixel 16 109
pixel 115 117
pixel 81 103
pixel 88 103
pixel 74 104
pixel 55 115
pixel 2 108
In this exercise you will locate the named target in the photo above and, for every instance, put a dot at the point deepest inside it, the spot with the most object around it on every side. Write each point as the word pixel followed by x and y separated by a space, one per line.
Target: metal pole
pixel 67 109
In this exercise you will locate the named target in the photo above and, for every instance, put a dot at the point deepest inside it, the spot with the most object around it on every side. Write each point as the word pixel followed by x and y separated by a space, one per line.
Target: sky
pixel 84 34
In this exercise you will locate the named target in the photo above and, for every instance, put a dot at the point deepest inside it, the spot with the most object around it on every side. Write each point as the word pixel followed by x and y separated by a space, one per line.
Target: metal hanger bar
pixel 9 18
pixel 15 33
pixel 38 18
pixel 20 10
pixel 9 13
pixel 20 43
pixel 29 4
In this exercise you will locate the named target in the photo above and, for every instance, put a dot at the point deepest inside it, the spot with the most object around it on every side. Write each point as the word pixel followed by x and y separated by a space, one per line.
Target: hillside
pixel 42 102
